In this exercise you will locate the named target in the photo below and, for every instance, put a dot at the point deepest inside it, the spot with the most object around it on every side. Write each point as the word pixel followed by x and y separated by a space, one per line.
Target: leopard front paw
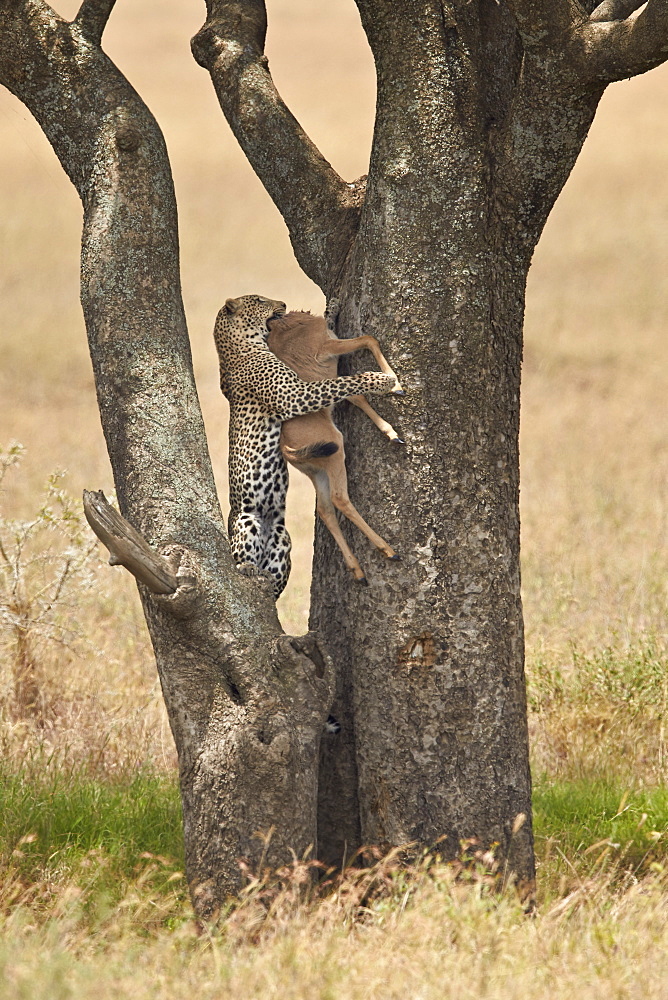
pixel 387 385
pixel 332 313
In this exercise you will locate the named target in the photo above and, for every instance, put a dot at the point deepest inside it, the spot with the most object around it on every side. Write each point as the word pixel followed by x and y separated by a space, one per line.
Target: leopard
pixel 263 392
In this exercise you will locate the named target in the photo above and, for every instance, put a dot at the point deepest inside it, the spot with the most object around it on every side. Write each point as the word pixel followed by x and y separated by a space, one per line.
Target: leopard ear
pixel 231 305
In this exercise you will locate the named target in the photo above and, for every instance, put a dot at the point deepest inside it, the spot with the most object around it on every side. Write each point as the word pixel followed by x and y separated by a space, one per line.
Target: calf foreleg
pixel 336 348
pixel 387 429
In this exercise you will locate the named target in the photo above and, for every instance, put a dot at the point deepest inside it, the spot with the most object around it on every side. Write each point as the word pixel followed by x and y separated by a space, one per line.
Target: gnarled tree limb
pixel 126 546
pixel 570 56
pixel 320 209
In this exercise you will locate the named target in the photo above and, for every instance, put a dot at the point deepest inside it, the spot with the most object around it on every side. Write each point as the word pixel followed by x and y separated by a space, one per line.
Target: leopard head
pixel 245 320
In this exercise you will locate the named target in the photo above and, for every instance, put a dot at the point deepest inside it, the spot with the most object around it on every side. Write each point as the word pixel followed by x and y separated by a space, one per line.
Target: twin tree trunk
pixel 482 110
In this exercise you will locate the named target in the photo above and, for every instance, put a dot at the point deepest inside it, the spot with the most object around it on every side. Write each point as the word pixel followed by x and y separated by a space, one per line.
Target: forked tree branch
pixel 620 38
pixel 92 18
pixel 320 209
pixel 570 56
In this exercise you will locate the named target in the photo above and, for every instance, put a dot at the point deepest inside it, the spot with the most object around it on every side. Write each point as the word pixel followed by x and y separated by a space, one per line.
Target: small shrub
pixel 45 563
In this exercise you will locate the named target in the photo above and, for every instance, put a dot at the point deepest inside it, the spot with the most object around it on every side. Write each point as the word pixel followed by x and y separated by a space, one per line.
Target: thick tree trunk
pixel 432 652
pixel 246 703
pixel 482 110
pixel 474 139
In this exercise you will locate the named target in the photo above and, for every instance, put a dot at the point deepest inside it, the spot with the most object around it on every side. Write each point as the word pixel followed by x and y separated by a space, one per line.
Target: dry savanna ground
pixel 595 552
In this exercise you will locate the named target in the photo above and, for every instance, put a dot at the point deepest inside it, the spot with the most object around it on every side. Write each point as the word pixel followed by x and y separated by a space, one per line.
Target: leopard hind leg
pixel 276 559
pixel 247 537
pixel 261 541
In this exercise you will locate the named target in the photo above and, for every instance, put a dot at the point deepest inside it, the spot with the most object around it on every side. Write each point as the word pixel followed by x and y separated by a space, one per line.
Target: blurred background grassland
pixel 594 453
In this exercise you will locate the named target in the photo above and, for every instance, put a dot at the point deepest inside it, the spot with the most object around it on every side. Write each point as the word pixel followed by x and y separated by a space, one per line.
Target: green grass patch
pixel 60 826
pixel 119 836
pixel 585 826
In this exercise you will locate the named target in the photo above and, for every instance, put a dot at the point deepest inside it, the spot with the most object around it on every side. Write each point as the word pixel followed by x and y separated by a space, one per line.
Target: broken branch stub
pixel 126 546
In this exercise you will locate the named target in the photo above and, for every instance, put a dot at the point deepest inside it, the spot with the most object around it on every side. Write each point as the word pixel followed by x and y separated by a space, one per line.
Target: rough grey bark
pixel 246 703
pixel 482 110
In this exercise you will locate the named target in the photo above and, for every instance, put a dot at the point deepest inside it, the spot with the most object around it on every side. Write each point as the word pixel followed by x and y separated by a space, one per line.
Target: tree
pixel 482 110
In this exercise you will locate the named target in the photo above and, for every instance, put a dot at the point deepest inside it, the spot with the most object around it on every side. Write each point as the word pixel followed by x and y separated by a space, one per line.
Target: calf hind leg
pixel 338 489
pixel 327 512
pixel 345 505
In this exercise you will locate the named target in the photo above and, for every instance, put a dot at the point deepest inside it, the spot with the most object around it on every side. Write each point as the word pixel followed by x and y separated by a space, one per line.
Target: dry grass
pixel 594 420
pixel 595 544
pixel 433 939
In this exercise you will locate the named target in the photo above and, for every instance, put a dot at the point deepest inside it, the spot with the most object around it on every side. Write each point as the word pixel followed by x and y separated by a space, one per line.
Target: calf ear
pixel 231 305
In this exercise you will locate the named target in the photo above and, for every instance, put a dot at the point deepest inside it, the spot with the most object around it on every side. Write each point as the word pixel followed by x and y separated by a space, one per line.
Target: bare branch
pixel 620 38
pixel 320 209
pixel 92 18
pixel 615 49
pixel 126 545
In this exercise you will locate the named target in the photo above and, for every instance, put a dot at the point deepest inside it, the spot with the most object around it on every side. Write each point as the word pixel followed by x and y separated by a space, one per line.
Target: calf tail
pixel 321 449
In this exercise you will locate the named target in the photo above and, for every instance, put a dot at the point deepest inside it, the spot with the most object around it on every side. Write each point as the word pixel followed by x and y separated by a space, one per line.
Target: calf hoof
pixel 397 440
pixel 362 580
pixel 395 558
pixel 398 392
